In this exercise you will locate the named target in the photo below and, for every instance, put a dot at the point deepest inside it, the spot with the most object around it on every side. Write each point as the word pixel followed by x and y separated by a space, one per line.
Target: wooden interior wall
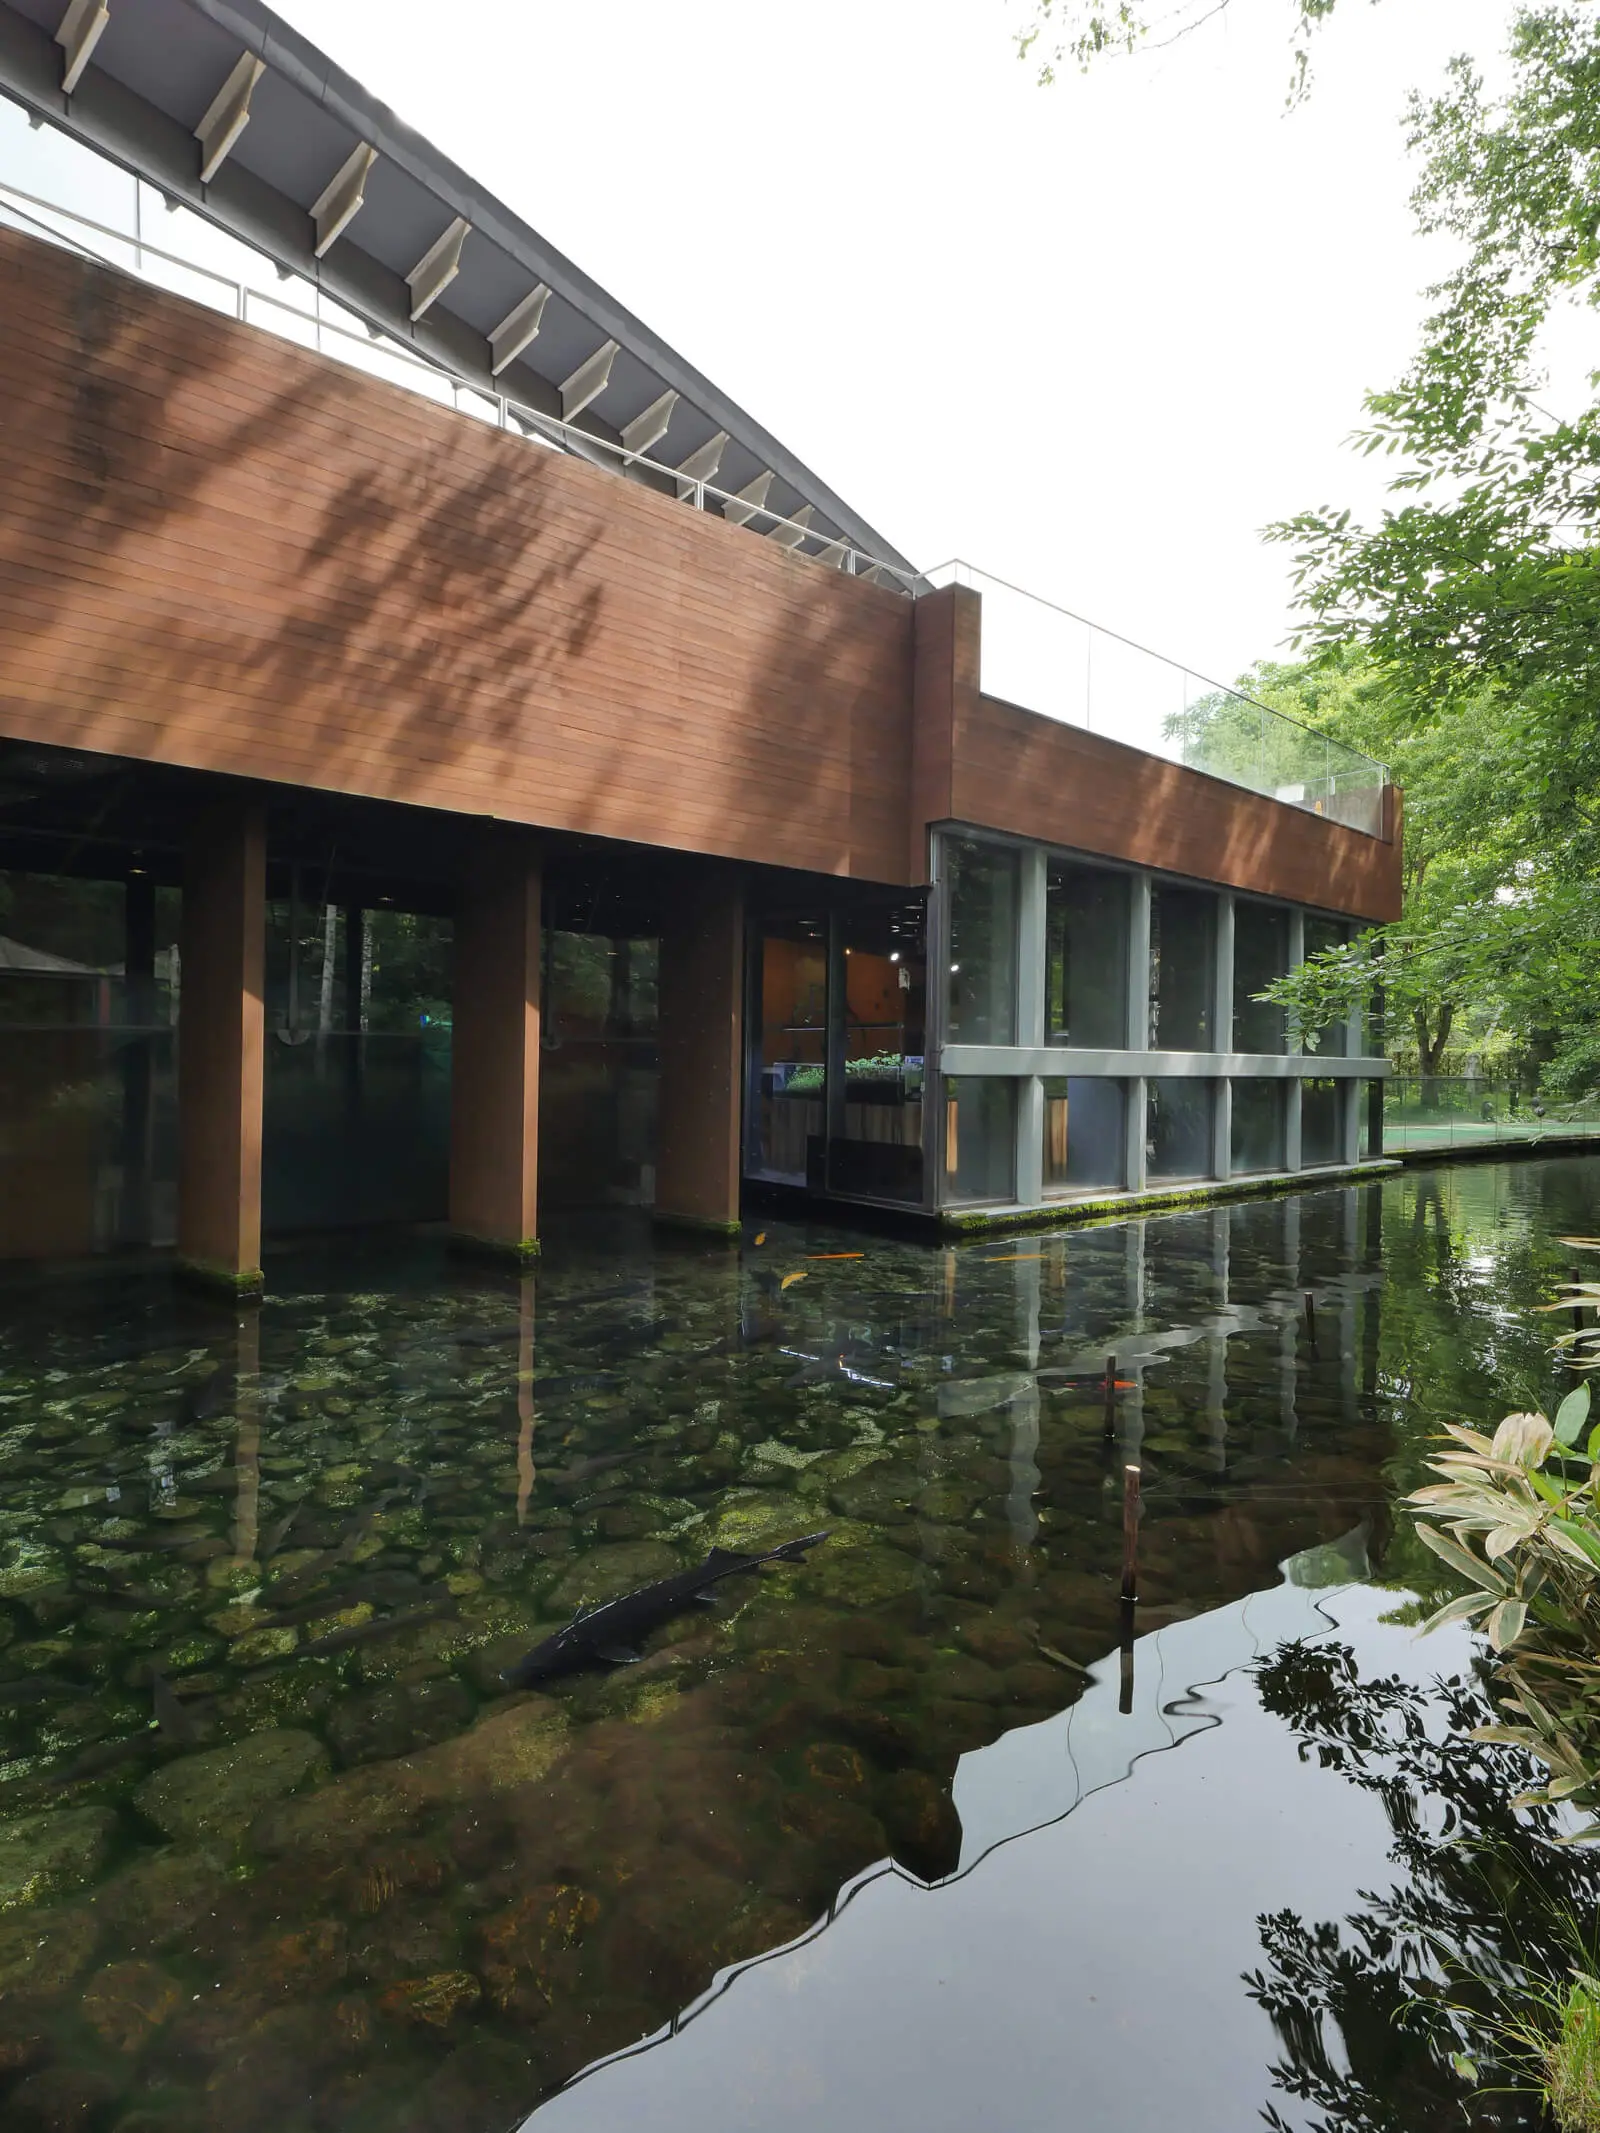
pixel 222 551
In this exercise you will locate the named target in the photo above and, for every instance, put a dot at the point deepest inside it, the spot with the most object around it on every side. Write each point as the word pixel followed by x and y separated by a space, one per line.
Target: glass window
pixel 1324 933
pixel 981 888
pixel 1260 954
pixel 1086 973
pixel 1320 1118
pixel 788 1072
pixel 1178 1128
pixel 1368 1098
pixel 1183 954
pixel 980 1138
pixel 1257 1141
pixel 1084 1126
pixel 876 1146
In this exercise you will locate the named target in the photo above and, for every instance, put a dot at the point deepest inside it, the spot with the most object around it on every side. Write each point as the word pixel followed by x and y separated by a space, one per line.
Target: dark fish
pixel 581 1381
pixel 610 1634
pixel 275 1536
pixel 171 1717
pixel 34 1688
pixel 152 1543
pixel 835 1369
pixel 364 1632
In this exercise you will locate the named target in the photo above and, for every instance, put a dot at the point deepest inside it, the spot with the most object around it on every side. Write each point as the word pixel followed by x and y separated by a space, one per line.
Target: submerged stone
pixel 610 1572
pixel 220 1792
pixel 43 1854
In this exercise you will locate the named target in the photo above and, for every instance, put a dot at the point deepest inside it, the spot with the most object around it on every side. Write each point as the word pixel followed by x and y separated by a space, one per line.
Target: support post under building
pixel 221 1032
pixel 701 1048
pixel 494 1052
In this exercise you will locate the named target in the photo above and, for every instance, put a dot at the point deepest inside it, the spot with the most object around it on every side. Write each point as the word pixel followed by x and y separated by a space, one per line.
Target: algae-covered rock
pixel 43 1854
pixel 126 2003
pixel 609 1572
pixel 436 2001
pixel 760 1520
pixel 966 1397
pixel 863 1577
pixel 42 1949
pixel 220 1792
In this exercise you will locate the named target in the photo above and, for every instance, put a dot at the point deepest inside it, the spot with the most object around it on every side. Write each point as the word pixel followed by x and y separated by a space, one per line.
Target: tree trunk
pixel 1431 1050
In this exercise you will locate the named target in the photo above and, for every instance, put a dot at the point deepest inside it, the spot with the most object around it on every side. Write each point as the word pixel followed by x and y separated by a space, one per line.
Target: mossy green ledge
pixel 245 1286
pixel 522 1251
pixel 700 1225
pixel 1118 1206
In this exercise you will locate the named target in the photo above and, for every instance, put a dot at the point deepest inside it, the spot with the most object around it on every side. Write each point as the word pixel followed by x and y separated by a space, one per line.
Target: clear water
pixel 896 1835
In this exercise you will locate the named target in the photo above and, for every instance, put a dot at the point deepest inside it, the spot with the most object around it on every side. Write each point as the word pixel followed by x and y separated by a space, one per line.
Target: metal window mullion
pixel 1031 943
pixel 1222 1040
pixel 1292 1090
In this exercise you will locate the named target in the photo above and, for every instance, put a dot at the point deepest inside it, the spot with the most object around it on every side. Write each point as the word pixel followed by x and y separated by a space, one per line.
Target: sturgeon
pixel 610 1634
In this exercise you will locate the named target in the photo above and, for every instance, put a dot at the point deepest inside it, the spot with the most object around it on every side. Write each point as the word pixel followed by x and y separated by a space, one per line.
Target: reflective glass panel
pixel 1257 1141
pixel 980 1138
pixel 1260 954
pixel 981 891
pixel 1084 1127
pixel 1321 933
pixel 1178 1128
pixel 788 1071
pixel 875 1148
pixel 1183 954
pixel 1086 972
pixel 1320 1115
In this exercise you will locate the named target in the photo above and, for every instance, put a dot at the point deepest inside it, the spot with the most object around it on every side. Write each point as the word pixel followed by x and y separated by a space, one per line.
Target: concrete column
pixel 1138 1027
pixel 221 1031
pixel 1222 1039
pixel 1291 1120
pixel 702 1046
pixel 1030 1023
pixel 494 1057
pixel 139 1013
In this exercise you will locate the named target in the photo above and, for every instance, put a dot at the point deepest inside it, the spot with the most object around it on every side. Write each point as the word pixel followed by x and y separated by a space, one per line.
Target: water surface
pixel 278 1850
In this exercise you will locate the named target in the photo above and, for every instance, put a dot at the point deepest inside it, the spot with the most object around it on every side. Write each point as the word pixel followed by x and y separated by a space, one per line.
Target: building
pixel 468 733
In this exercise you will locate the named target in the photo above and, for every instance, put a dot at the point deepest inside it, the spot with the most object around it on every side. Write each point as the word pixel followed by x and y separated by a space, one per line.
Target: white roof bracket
pixel 790 532
pixel 650 427
pixel 228 116
pixel 740 508
pixel 437 268
pixel 588 381
pixel 518 329
pixel 82 27
pixel 341 201
pixel 701 465
pixel 836 555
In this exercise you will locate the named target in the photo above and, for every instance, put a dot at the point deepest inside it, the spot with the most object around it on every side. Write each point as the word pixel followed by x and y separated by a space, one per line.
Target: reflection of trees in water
pixel 1372 2009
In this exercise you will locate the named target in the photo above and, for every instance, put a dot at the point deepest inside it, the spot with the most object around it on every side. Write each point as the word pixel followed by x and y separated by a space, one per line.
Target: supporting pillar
pixel 494 1050
pixel 701 1047
pixel 221 1028
pixel 139 1014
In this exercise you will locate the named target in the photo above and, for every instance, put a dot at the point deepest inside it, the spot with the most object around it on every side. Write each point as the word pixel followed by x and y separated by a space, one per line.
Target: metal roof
pixel 230 111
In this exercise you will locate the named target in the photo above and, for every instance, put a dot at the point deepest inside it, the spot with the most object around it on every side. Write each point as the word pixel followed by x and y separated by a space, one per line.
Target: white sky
pixel 1091 338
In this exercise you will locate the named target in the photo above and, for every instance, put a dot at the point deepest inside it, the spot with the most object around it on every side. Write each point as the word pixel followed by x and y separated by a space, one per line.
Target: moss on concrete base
pixel 521 1253
pixel 699 1225
pixel 244 1287
pixel 1118 1206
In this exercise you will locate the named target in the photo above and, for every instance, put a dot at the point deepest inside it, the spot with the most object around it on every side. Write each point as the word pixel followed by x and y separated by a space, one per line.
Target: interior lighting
pixel 894 955
pixel 954 968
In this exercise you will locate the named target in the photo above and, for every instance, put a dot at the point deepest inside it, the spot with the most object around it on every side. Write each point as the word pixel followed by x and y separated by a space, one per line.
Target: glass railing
pixel 1455 1111
pixel 1046 659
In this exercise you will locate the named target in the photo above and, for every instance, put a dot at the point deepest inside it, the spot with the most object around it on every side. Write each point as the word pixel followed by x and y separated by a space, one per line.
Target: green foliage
pixel 1516 1517
pixel 1572 2069
pixel 1078 32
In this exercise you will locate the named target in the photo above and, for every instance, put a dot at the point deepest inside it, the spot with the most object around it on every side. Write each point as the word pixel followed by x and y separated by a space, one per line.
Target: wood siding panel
pixel 1037 778
pixel 221 551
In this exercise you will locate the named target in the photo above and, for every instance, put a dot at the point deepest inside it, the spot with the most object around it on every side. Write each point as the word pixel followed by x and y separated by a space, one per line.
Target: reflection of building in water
pixel 560 787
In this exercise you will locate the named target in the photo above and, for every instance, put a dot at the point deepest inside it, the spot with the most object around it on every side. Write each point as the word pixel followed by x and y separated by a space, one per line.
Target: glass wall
pixel 1178 1128
pixel 1322 933
pixel 875 1137
pixel 598 1070
pixel 1321 1116
pixel 1183 957
pixel 787 1118
pixel 1086 968
pixel 981 898
pixel 1084 1134
pixel 980 1138
pixel 1260 954
pixel 1257 1128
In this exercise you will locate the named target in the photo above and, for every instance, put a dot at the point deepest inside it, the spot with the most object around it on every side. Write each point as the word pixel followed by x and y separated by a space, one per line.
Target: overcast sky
pixel 1092 337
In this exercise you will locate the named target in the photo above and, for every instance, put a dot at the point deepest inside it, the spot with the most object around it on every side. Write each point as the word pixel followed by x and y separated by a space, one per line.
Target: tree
pixel 1077 32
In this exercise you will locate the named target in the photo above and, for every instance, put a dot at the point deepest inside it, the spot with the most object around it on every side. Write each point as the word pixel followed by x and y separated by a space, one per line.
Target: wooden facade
pixel 220 551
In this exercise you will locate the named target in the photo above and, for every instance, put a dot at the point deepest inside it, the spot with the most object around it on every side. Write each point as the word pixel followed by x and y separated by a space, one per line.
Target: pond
pixel 923 1829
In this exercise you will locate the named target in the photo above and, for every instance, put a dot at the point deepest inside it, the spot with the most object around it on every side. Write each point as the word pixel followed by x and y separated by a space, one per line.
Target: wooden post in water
pixel 1311 1320
pixel 1111 1398
pixel 1130 1531
pixel 1125 1687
